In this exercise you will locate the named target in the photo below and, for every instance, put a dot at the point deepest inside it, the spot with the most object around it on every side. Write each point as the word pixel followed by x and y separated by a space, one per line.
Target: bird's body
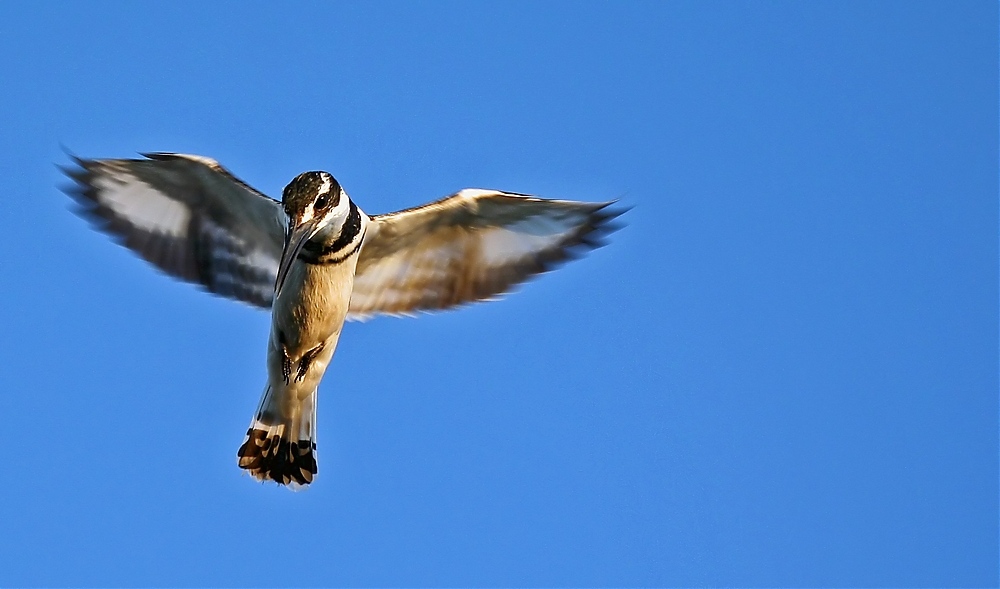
pixel 306 320
pixel 317 260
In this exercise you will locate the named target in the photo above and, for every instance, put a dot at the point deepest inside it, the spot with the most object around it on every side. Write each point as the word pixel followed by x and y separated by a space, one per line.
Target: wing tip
pixel 612 209
pixel 79 188
pixel 603 221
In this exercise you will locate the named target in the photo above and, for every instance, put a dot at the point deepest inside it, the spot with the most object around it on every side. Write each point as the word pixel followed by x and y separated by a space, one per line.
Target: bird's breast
pixel 313 304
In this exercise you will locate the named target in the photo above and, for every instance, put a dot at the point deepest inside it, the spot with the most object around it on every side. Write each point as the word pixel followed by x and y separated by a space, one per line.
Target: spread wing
pixel 474 245
pixel 188 216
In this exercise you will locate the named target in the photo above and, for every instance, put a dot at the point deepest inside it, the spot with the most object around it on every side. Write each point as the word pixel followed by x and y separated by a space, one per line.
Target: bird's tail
pixel 281 444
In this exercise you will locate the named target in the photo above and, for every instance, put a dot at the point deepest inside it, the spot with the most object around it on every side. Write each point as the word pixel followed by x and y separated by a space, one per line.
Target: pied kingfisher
pixel 316 260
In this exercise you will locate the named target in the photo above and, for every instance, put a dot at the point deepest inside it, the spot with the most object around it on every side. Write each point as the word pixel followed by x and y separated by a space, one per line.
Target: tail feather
pixel 281 449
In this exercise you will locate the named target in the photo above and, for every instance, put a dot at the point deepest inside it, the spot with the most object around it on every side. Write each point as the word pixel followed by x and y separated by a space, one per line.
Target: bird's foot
pixel 306 361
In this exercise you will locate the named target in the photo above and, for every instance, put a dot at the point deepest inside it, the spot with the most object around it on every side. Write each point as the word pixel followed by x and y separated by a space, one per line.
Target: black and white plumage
pixel 317 260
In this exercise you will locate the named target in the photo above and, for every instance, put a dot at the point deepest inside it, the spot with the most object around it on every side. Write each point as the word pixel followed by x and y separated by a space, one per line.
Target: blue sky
pixel 782 372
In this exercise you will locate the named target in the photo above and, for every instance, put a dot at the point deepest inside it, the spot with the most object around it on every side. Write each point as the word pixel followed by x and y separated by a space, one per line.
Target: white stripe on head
pixel 338 214
pixel 310 211
pixel 344 204
pixel 325 186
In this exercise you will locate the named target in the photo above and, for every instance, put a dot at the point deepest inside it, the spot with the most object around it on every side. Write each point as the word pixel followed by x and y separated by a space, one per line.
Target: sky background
pixel 782 372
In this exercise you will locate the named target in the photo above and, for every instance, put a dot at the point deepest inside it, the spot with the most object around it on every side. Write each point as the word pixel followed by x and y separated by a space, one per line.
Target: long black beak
pixel 293 245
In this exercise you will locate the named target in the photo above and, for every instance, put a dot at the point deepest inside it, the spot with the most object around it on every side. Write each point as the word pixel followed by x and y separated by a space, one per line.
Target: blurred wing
pixel 188 216
pixel 471 246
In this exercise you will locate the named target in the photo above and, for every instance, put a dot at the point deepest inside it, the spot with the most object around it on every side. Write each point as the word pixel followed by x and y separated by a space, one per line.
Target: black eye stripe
pixel 324 200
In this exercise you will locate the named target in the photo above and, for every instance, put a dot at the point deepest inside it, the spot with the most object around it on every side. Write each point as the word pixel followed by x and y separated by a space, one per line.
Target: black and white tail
pixel 281 445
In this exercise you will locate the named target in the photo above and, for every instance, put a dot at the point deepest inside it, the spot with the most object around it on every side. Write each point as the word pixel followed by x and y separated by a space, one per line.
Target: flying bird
pixel 316 259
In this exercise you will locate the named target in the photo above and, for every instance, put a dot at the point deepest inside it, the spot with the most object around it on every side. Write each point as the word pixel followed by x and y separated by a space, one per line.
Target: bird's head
pixel 313 201
pixel 314 196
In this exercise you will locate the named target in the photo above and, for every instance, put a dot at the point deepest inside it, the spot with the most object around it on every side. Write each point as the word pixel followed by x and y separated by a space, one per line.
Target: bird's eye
pixel 322 201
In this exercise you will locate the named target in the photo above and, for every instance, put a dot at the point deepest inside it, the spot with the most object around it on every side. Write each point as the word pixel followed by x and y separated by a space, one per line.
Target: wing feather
pixel 188 216
pixel 474 245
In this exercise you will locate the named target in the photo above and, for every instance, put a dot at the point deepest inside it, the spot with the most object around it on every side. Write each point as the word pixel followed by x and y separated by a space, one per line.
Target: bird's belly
pixel 306 321
pixel 314 301
pixel 313 304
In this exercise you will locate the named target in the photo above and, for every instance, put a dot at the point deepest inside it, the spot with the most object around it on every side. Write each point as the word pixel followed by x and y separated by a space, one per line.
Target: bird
pixel 316 260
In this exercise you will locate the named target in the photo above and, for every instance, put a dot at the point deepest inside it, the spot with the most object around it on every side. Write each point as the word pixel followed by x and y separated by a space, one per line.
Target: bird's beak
pixel 298 237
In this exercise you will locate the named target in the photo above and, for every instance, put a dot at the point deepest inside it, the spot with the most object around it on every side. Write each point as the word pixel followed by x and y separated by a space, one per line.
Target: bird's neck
pixel 335 243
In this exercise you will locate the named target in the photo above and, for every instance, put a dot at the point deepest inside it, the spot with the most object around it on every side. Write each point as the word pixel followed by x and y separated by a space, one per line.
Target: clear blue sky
pixel 783 371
